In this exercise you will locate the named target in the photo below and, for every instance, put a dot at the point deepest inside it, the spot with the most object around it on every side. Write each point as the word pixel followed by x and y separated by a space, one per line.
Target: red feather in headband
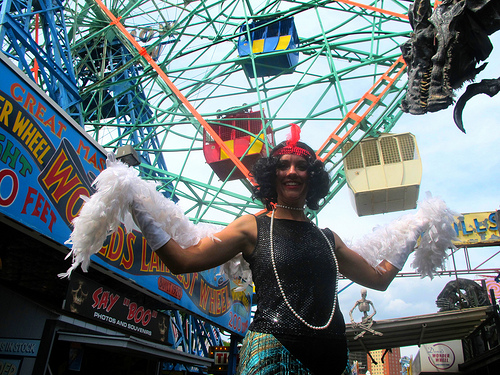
pixel 294 136
pixel 291 144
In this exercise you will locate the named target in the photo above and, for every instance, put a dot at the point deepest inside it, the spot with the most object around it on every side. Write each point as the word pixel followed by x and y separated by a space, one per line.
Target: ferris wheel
pixel 201 88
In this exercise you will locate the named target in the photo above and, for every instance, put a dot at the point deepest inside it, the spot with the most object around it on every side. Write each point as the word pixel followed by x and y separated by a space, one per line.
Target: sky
pixel 462 169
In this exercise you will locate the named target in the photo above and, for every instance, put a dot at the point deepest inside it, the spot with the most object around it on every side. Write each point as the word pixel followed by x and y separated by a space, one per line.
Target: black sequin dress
pixel 307 272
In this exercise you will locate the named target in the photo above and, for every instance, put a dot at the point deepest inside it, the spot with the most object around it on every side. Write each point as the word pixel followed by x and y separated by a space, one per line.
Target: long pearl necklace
pixel 278 280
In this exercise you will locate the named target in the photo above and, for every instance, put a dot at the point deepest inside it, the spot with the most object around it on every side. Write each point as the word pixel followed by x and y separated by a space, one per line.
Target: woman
pixel 298 327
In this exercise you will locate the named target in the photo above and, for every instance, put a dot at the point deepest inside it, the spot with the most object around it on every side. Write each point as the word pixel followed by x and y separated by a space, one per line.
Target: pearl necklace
pixel 278 280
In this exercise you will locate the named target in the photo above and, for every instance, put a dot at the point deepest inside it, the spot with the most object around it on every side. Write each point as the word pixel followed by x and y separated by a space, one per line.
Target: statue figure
pixel 366 323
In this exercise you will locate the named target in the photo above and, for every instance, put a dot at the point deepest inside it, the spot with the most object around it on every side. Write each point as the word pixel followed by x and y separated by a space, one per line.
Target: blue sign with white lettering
pixel 48 162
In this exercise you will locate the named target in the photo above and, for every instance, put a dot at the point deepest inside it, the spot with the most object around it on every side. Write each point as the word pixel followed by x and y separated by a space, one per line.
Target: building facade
pixel 384 362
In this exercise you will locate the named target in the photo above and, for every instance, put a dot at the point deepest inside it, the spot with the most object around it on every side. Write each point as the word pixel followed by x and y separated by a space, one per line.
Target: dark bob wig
pixel 264 172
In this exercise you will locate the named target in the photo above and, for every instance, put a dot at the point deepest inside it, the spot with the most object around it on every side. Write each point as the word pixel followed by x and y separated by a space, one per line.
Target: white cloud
pixel 398 306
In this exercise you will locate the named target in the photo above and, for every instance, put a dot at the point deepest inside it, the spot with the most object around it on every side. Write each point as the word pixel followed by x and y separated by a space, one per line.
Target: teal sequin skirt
pixel 263 354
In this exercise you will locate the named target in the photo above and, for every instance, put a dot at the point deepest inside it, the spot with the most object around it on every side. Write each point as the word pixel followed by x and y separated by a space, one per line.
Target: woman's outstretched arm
pixel 237 237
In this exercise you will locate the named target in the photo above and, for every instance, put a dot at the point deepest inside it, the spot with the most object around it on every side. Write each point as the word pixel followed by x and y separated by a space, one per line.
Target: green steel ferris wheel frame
pixel 346 49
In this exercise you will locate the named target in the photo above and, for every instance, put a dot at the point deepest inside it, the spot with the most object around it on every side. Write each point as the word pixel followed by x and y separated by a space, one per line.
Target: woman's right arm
pixel 239 236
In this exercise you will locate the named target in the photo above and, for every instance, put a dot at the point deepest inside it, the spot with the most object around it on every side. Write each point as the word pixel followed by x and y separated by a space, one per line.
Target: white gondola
pixel 383 173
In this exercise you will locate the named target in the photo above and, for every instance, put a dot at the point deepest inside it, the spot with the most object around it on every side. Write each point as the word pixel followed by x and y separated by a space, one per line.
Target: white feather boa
pixel 118 185
pixel 433 223
pixel 101 215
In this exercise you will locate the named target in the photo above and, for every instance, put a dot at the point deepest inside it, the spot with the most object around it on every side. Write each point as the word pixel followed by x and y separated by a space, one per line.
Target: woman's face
pixel 292 180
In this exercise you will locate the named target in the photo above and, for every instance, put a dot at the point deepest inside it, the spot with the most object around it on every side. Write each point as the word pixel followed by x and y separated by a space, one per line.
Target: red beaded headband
pixel 291 144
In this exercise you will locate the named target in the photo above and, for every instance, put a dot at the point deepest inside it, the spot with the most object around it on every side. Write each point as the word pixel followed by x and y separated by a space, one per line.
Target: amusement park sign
pixel 477 229
pixel 439 357
pixel 47 162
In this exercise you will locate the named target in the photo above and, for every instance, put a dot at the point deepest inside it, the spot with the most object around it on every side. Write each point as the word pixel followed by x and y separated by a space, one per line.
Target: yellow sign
pixel 476 229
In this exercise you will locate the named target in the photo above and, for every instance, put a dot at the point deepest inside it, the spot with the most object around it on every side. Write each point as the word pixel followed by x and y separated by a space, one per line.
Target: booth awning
pixel 136 345
pixel 417 330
